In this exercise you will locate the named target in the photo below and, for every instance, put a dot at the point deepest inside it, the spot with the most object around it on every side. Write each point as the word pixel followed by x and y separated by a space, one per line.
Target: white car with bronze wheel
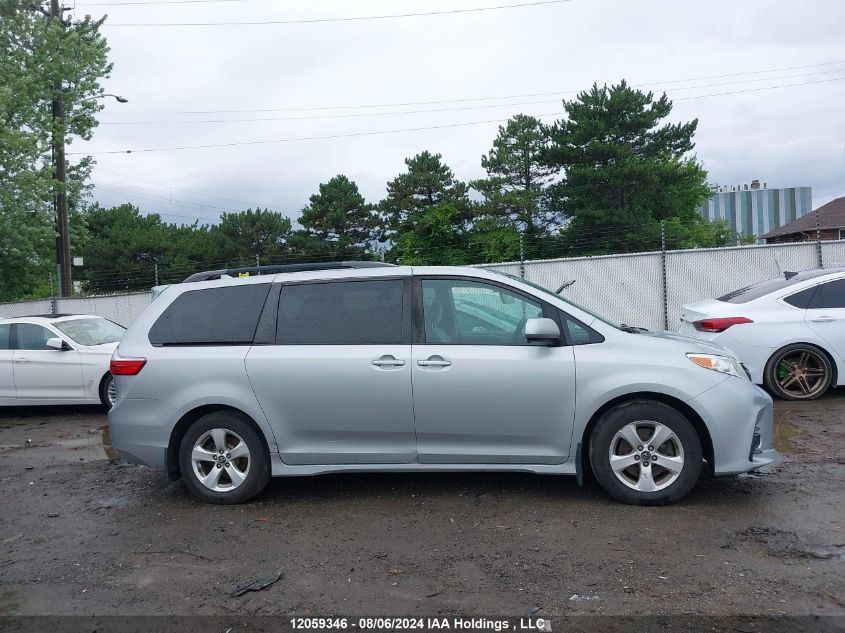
pixel 789 331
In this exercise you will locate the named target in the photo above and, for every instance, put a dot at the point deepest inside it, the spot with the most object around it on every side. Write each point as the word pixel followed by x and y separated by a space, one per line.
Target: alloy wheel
pixel 221 460
pixel 801 373
pixel 111 392
pixel 646 456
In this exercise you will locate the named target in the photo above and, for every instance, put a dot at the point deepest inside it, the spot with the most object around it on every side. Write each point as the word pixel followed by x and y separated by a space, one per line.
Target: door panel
pixel 336 386
pixel 826 315
pixel 7 374
pixel 493 404
pixel 482 393
pixel 42 372
pixel 330 404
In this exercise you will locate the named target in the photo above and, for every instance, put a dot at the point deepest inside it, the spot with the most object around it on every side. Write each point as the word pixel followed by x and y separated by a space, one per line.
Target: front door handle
pixel 388 361
pixel 823 319
pixel 434 361
pixel 21 360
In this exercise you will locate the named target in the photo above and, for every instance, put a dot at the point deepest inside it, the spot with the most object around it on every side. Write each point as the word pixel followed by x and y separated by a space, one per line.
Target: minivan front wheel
pixel 222 459
pixel 645 453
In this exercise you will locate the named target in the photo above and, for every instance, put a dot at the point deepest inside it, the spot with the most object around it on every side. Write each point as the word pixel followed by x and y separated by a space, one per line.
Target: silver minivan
pixel 227 380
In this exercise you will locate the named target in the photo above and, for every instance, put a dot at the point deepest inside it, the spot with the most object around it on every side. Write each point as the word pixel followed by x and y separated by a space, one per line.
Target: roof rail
pixel 280 268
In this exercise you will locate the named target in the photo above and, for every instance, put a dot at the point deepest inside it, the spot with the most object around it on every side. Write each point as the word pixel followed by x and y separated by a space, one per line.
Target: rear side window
pixel 801 299
pixel 341 313
pixel 830 295
pixel 5 329
pixel 213 316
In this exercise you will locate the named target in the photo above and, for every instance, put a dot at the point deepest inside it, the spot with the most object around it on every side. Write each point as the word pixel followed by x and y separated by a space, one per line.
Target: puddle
pixel 9 603
pixel 93 446
pixel 784 434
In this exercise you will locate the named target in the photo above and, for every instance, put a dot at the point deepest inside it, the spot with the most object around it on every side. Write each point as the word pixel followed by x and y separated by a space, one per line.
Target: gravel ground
pixel 80 534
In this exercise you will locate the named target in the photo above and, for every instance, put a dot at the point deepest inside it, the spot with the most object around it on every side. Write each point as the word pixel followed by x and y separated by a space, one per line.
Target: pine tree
pixel 338 217
pixel 624 169
pixel 515 187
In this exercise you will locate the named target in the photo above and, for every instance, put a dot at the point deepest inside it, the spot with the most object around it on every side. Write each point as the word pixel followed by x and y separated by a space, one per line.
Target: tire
pixel 798 372
pixel 107 392
pixel 679 451
pixel 234 480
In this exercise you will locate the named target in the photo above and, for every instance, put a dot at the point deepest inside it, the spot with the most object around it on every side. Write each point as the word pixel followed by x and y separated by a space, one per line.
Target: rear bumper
pixel 140 430
pixel 739 417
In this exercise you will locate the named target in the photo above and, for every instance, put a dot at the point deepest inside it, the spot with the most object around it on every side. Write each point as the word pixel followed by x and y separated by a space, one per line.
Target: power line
pixel 485 98
pixel 435 110
pixel 146 2
pixel 170 187
pixel 301 138
pixel 394 16
pixel 414 129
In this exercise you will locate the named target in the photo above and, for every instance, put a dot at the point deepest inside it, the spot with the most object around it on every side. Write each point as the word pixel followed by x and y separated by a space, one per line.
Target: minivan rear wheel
pixel 222 459
pixel 645 453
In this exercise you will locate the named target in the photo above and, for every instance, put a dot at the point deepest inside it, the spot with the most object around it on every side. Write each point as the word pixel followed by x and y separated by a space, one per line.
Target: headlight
pixel 724 364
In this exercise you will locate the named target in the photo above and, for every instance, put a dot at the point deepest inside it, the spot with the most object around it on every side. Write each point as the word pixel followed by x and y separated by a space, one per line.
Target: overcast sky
pixel 791 136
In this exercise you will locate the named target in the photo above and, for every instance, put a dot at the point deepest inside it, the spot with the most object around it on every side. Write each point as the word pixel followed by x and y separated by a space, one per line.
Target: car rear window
pixel 761 289
pixel 341 313
pixel 211 316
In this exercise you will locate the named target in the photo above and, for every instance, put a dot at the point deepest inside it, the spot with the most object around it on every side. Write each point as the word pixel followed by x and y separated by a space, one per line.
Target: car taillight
pixel 720 324
pixel 126 366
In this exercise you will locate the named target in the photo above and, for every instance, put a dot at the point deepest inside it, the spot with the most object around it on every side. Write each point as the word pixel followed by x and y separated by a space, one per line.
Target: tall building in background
pixel 757 210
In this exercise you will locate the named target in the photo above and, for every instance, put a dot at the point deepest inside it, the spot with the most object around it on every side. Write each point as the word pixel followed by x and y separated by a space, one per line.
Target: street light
pixel 117 98
pixel 59 171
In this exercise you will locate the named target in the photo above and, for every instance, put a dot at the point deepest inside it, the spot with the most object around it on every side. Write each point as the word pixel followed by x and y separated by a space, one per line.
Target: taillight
pixel 720 324
pixel 126 366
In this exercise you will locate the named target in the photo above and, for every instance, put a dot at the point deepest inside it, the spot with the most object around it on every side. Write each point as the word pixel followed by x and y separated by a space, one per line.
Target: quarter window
pixel 31 336
pixel 5 331
pixel 212 316
pixel 471 313
pixel 830 295
pixel 801 299
pixel 341 313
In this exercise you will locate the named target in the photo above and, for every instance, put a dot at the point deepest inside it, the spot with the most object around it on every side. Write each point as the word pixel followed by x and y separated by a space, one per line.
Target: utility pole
pixel 60 175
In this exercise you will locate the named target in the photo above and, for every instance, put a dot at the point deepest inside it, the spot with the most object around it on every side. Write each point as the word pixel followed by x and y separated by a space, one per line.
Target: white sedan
pixel 788 331
pixel 62 360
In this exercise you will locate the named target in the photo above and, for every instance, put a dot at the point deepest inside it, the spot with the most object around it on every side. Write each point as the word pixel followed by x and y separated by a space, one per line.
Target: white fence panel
pixel 25 308
pixel 624 288
pixel 700 274
pixel 119 308
pixel 833 253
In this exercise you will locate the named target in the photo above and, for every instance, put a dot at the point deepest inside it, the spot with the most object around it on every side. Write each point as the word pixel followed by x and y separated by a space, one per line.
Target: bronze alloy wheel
pixel 799 372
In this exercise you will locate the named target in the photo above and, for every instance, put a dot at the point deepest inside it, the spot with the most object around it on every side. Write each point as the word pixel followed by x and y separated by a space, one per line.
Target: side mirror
pixel 542 330
pixel 57 344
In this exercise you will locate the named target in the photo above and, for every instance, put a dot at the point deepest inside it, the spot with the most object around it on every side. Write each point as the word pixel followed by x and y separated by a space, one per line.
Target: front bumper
pixel 739 416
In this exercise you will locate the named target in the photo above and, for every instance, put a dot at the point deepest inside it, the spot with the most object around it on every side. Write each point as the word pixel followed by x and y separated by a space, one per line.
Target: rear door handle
pixel 388 361
pixel 434 362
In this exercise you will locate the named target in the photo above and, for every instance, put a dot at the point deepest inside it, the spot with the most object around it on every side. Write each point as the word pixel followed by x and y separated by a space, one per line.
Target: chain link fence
pixel 642 289
pixel 649 289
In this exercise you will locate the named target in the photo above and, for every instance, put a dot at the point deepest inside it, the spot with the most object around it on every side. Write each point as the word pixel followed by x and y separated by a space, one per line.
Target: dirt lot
pixel 82 535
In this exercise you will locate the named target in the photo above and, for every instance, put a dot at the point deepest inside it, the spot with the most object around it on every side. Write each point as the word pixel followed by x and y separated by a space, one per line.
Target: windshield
pixel 548 292
pixel 91 331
